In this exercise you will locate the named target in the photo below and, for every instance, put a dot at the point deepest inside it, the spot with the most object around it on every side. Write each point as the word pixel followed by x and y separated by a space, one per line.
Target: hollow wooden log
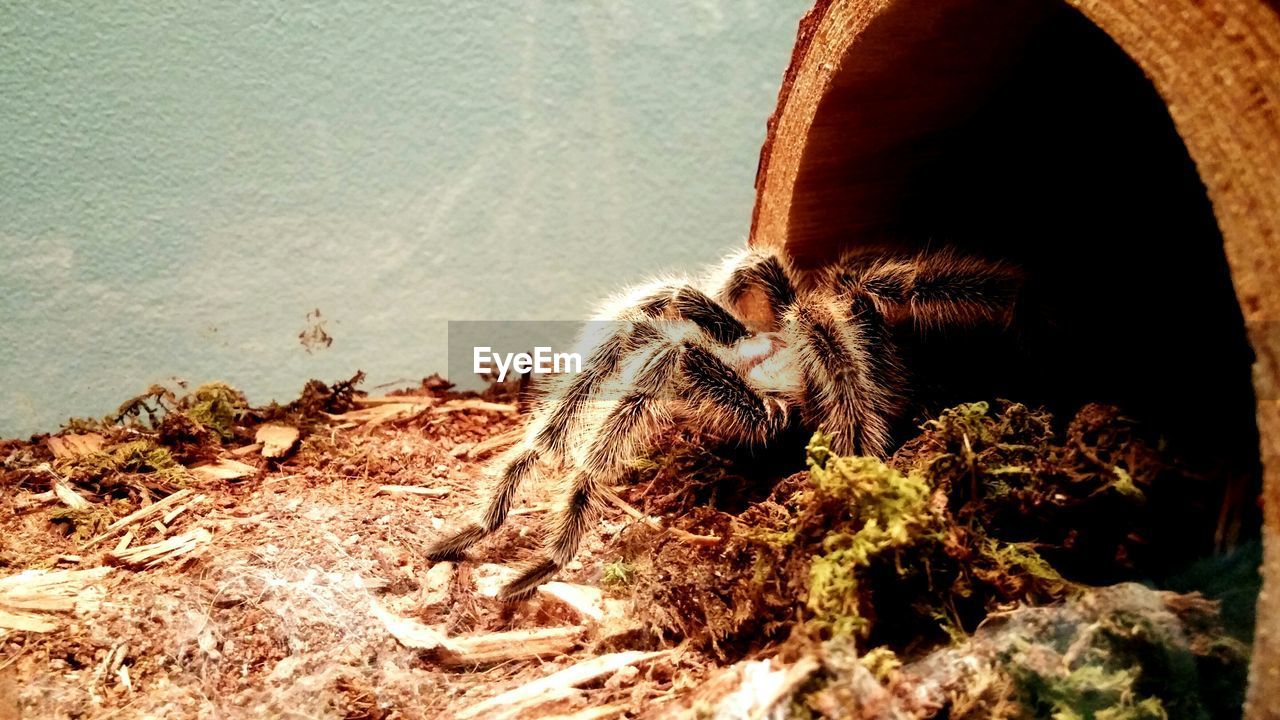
pixel 878 91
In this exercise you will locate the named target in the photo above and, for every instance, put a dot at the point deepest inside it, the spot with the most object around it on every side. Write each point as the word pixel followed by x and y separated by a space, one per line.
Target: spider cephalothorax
pixel 742 353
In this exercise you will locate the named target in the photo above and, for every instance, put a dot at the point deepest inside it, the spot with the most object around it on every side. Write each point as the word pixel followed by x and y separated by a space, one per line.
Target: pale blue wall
pixel 181 182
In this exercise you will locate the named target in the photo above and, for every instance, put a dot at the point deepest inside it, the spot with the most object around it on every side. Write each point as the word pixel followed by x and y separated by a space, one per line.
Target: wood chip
pixel 66 447
pixel 489 446
pixel 27 599
pixel 116 657
pixel 246 450
pixel 174 513
pixel 152 554
pixel 124 542
pixel 518 701
pixel 490 648
pixel 69 497
pixel 225 469
pixel 276 440
pixel 28 501
pixel 140 514
pixel 586 602
pixel 461 449
pixel 409 632
pixel 122 673
pixel 376 415
pixel 435 492
pixel 478 405
pixel 435 585
pixel 393 399
pixel 751 689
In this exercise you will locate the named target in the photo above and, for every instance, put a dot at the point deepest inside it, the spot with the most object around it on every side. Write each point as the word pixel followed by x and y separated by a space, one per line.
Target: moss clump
pixel 880 512
pixel 1121 653
pixel 216 406
pixel 142 456
pixel 1090 692
pixel 156 402
pixel 882 663
pixel 316 401
pixel 617 574
pixel 891 553
pixel 206 416
pixel 85 522
pixel 1098 501
pixel 988 508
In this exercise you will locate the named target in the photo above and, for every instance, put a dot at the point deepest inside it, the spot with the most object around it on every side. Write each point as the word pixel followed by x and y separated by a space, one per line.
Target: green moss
pixel 987 508
pixel 1090 692
pixel 1020 560
pixel 884 511
pixel 135 456
pixel 1124 653
pixel 216 406
pixel 1124 484
pixel 85 522
pixel 618 574
pixel 882 662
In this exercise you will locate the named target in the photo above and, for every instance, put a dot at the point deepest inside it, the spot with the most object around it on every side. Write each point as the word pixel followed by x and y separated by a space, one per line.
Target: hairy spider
pixel 743 353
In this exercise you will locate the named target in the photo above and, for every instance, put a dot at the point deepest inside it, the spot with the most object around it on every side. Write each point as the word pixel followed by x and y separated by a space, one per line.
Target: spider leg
pixel 852 373
pixel 638 413
pixel 519 463
pixel 716 393
pixel 546 436
pixel 683 301
pixel 763 273
pixel 935 291
pixel 635 327
pixel 562 408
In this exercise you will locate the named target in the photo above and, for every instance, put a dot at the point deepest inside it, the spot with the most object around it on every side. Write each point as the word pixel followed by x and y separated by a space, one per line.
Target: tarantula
pixel 743 352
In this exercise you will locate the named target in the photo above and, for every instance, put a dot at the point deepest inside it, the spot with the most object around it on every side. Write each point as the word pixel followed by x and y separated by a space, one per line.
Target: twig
pixel 520 700
pixel 482 405
pixel 152 554
pixel 169 516
pixel 435 492
pixel 69 497
pixel 393 399
pixel 137 515
pixel 676 532
pixel 487 447
pixel 491 648
pixel 246 450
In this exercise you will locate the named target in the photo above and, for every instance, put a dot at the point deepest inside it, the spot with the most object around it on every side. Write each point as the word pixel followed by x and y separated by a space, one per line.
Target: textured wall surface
pixel 181 183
